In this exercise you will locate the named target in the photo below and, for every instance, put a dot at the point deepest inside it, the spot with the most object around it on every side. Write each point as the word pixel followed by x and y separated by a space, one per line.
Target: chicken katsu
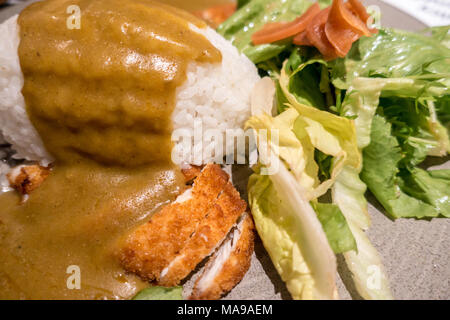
pixel 180 236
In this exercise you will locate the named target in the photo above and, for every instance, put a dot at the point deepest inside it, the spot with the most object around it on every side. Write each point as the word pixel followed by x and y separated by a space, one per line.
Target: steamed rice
pixel 217 96
pixel 14 122
pixel 4 183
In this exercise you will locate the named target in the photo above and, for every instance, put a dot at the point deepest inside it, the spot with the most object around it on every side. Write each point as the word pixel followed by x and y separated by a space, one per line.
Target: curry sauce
pixel 107 90
pixel 101 97
pixel 74 219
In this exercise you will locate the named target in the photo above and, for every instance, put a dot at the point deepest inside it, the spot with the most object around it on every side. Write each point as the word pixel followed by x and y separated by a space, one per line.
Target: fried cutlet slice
pixel 209 234
pixel 191 172
pixel 152 246
pixel 27 178
pixel 228 265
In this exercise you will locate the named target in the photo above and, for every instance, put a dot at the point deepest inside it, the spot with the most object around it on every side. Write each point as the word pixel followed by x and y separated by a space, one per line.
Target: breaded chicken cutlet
pixel 167 249
pixel 27 178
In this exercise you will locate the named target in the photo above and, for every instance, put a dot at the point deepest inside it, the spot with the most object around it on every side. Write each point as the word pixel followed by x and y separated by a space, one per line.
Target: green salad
pixel 366 121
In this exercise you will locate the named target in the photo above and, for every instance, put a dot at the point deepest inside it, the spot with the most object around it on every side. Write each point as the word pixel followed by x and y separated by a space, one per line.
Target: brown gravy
pixel 75 218
pixel 101 98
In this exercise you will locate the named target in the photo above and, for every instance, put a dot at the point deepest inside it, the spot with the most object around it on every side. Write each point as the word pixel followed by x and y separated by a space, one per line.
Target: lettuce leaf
pixel 348 193
pixel 280 237
pixel 440 34
pixel 301 131
pixel 284 218
pixel 363 98
pixel 416 127
pixel 361 102
pixel 297 155
pixel 160 293
pixel 397 65
pixel 367 268
pixel 432 187
pixel 380 173
pixel 392 54
pixel 305 79
pixel 365 263
pixel 292 233
pixel 404 77
pixel 335 226
pixel 343 129
pixel 348 189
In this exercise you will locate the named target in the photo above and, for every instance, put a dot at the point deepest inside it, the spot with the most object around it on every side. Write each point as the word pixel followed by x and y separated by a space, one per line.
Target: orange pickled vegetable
pixel 316 35
pixel 339 31
pixel 332 30
pixel 358 9
pixel 302 39
pixel 278 31
pixel 352 21
pixel 214 16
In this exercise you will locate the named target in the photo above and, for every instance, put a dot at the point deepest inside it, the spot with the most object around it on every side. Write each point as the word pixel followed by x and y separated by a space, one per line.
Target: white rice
pixel 215 95
pixel 15 125
pixel 218 95
pixel 4 182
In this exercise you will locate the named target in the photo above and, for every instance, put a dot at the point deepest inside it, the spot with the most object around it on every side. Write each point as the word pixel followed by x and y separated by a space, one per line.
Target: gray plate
pixel 416 253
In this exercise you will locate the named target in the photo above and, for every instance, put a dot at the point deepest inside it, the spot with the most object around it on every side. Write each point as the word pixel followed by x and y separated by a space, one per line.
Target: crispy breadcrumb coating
pixel 228 265
pixel 191 172
pixel 168 248
pixel 28 178
pixel 151 247
pixel 209 234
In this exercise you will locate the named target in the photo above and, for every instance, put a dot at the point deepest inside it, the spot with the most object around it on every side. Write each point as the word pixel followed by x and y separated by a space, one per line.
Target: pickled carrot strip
pixel 316 35
pixel 302 39
pixel 338 30
pixel 279 31
pixel 214 16
pixel 358 9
